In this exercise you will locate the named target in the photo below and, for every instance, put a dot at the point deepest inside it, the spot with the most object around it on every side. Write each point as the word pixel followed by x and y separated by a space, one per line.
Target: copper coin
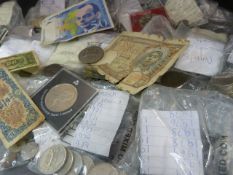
pixel 61 97
pixel 91 55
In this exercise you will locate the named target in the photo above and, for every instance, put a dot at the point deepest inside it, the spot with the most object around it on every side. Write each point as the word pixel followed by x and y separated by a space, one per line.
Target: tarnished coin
pixel 29 150
pixel 104 169
pixel 69 163
pixel 61 97
pixel 78 164
pixel 88 164
pixel 52 160
pixel 91 54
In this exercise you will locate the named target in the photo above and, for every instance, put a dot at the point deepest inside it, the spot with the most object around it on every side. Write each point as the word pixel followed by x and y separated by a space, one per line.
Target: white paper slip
pixel 96 131
pixel 170 143
pixel 203 56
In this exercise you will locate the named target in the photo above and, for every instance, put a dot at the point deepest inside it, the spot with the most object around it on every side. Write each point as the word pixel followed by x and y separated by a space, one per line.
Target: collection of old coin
pixel 60 160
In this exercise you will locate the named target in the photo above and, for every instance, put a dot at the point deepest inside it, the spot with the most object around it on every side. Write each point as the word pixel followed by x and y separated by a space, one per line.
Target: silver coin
pixel 29 151
pixel 88 164
pixel 91 54
pixel 68 165
pixel 52 160
pixel 104 169
pixel 78 164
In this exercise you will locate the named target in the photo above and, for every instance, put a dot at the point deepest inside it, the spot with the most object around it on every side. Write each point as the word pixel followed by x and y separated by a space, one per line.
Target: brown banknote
pixel 25 61
pixel 18 114
pixel 135 60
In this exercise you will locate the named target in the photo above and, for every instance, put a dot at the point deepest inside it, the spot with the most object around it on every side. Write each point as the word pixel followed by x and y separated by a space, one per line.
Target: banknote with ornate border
pixel 23 61
pixel 136 60
pixel 18 114
pixel 87 17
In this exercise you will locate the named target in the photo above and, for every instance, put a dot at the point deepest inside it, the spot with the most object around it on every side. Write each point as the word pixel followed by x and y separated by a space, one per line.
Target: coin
pixel 29 150
pixel 61 97
pixel 78 164
pixel 91 55
pixel 88 163
pixel 103 169
pixel 52 160
pixel 69 163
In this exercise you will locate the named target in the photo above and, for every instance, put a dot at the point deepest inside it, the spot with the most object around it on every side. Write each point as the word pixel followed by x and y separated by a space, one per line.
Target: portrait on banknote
pixel 84 18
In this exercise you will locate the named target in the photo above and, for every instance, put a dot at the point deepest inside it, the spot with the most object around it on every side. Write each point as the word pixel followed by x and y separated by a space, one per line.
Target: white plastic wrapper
pixel 11 14
pixel 15 45
pixel 205 54
pixel 48 7
pixel 71 50
pixel 190 131
pixel 159 25
pixel 120 11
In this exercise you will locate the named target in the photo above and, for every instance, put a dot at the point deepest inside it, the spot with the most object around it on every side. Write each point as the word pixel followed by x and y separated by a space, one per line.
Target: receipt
pixel 170 143
pixel 96 131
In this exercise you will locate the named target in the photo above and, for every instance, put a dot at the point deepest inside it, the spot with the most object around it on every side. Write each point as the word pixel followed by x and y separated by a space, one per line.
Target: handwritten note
pixel 170 143
pixel 98 128
pixel 203 56
pixel 48 7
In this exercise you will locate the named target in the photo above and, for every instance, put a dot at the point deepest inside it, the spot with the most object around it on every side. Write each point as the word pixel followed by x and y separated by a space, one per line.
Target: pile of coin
pixel 59 160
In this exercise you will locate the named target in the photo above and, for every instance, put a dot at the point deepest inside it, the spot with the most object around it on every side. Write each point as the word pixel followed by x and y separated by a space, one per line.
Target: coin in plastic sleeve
pixel 104 169
pixel 29 150
pixel 88 163
pixel 78 164
pixel 61 97
pixel 52 160
pixel 68 165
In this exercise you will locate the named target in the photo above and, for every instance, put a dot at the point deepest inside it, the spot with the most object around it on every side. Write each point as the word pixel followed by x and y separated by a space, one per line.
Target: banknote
pixel 25 61
pixel 88 16
pixel 135 60
pixel 18 114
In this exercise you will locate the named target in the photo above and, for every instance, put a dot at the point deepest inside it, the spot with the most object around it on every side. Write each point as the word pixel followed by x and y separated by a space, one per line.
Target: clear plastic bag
pixel 72 161
pixel 120 11
pixel 11 14
pixel 18 44
pixel 215 120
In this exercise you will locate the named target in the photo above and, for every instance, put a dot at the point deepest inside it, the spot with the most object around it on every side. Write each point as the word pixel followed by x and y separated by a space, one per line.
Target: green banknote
pixel 23 61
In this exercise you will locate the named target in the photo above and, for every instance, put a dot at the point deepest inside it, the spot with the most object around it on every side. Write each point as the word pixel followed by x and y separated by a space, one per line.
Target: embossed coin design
pixel 69 163
pixel 29 150
pixel 91 55
pixel 52 160
pixel 78 164
pixel 104 169
pixel 61 97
